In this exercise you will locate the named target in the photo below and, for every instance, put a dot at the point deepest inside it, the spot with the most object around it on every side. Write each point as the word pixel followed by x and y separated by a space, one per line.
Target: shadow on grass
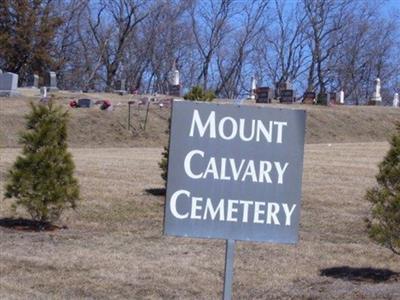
pixel 156 191
pixel 361 274
pixel 28 225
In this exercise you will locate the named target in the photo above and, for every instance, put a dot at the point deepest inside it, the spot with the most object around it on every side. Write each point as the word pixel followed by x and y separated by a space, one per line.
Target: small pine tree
pixel 384 223
pixel 41 179
pixel 196 94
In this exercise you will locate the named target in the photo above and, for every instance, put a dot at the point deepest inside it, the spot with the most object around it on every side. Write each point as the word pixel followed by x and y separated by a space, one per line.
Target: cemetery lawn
pixel 114 247
pixel 93 128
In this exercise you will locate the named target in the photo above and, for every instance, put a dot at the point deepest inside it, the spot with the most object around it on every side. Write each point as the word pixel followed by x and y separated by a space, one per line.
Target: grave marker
pixel 396 101
pixel 174 90
pixel 341 97
pixel 322 99
pixel 286 96
pixel 332 98
pixel 376 98
pixel 85 103
pixel 253 88
pixel 309 97
pixel 51 82
pixel 264 95
pixel 8 84
pixel 33 81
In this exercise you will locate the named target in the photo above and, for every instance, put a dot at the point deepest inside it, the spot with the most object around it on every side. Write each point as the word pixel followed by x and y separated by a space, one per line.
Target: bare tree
pixel 210 26
pixel 326 21
pixel 232 58
pixel 283 55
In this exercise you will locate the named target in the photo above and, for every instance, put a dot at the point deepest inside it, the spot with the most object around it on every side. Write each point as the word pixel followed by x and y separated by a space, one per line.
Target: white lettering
pixel 231 210
pixel 280 171
pixel 221 127
pixel 196 121
pixel 172 204
pixel 288 212
pixel 272 211
pixel 187 164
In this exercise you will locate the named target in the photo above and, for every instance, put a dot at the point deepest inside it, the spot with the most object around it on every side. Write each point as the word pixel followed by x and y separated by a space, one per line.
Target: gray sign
pixel 234 172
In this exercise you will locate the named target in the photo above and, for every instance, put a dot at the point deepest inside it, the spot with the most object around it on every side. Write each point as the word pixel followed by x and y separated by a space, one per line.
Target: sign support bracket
pixel 228 279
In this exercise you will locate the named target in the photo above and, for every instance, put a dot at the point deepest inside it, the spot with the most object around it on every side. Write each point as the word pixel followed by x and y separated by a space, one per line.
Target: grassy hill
pixel 95 128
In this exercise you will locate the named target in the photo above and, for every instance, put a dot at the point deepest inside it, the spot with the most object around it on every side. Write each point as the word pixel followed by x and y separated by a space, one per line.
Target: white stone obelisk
pixel 174 76
pixel 376 96
pixel 253 88
pixel 396 100
pixel 341 97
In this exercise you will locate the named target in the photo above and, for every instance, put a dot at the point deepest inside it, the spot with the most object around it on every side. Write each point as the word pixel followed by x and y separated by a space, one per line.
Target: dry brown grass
pixel 94 128
pixel 114 246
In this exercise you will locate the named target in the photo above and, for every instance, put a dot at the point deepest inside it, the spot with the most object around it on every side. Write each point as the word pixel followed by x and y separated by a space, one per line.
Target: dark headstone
pixel 33 81
pixel 374 103
pixel 332 98
pixel 264 95
pixel 281 86
pixel 120 85
pixel 286 96
pixel 322 99
pixel 309 97
pixel 175 90
pixel 85 103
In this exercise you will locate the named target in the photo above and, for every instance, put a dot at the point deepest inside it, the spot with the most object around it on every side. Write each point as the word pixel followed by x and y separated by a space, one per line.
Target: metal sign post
pixel 228 279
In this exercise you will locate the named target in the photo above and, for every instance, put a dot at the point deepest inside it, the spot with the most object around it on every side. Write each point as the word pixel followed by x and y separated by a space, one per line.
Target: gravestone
pixel 253 88
pixel 309 97
pixel 120 87
pixel 85 103
pixel 51 82
pixel 174 77
pixel 396 101
pixel 322 99
pixel 281 86
pixel 264 95
pixel 341 97
pixel 43 92
pixel 8 84
pixel 33 81
pixel 332 98
pixel 286 96
pixel 174 90
pixel 376 98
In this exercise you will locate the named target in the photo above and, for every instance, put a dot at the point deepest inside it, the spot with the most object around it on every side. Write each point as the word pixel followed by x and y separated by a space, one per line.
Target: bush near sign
pixel 234 172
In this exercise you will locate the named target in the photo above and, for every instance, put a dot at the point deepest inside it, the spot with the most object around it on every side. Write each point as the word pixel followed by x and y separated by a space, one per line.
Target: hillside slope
pixel 95 128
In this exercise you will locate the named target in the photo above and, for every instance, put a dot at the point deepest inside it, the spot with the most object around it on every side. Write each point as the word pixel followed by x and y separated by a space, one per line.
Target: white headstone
pixel 51 81
pixel 376 96
pixel 341 97
pixel 396 102
pixel 43 92
pixel 174 77
pixel 253 88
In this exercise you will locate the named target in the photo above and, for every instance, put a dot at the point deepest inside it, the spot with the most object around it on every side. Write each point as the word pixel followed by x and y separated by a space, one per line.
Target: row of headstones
pixel 9 83
pixel 285 94
pixel 267 94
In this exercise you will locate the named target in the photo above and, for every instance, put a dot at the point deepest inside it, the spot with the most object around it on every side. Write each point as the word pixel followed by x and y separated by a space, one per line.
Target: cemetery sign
pixel 234 172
